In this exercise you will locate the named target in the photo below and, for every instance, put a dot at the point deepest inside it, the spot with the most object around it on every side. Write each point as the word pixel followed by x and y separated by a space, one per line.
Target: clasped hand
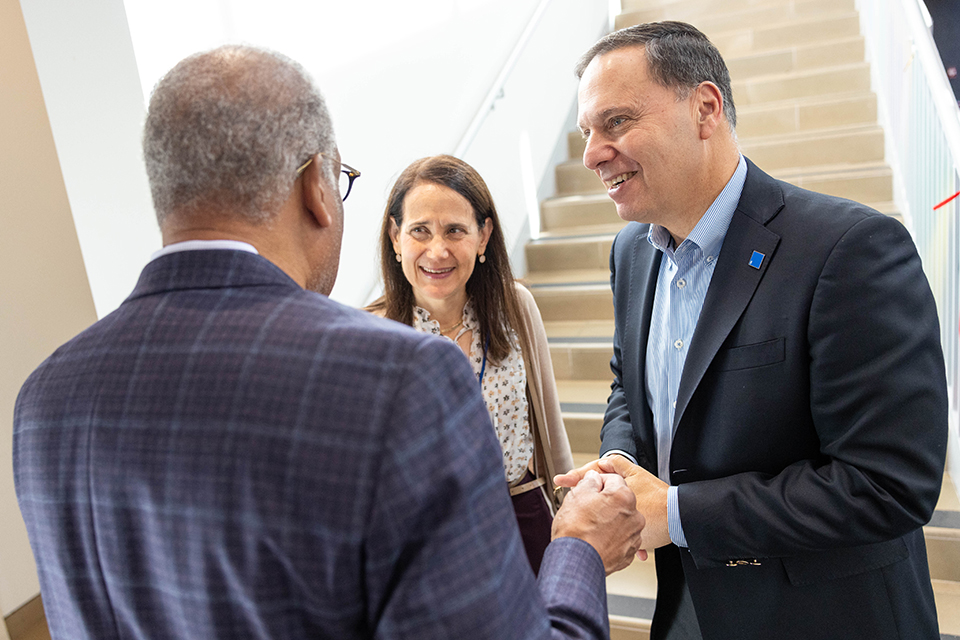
pixel 650 492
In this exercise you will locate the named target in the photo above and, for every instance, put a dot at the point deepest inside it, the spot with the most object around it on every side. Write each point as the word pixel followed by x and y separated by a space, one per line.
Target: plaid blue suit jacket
pixel 228 455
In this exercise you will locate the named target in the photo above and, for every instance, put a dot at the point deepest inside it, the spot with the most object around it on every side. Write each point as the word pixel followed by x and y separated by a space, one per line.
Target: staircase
pixel 805 115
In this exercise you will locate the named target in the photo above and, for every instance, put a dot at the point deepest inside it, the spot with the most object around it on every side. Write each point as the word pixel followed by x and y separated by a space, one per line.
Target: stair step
pixel 582 360
pixel 809 114
pixel 870 183
pixel 739 38
pixel 604 228
pixel 725 17
pixel 573 178
pixel 567 276
pixel 574 252
pixel 577 394
pixel 575 302
pixel 574 330
pixel 694 8
pixel 802 57
pixel 847 146
pixel 836 80
pixel 577 210
pixel 807 30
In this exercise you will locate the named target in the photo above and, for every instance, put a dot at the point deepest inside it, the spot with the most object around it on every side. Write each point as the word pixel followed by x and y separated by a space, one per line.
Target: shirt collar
pixel 711 229
pixel 204 245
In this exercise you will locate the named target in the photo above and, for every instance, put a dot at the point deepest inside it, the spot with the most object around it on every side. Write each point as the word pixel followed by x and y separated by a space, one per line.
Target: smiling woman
pixel 446 271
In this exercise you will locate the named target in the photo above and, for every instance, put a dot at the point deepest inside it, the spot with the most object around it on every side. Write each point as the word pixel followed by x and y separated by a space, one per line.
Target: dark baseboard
pixel 28 622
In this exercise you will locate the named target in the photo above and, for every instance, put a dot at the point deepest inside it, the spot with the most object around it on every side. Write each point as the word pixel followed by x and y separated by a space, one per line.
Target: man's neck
pixel 715 179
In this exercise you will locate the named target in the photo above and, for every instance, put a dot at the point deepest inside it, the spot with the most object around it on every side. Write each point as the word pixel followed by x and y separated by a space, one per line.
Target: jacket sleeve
pixel 618 432
pixel 442 553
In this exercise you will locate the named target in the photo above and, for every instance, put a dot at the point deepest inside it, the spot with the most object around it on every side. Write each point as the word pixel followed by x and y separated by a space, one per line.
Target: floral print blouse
pixel 504 389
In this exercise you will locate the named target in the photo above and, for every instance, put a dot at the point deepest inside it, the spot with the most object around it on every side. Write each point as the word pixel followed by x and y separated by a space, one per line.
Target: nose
pixel 596 152
pixel 438 247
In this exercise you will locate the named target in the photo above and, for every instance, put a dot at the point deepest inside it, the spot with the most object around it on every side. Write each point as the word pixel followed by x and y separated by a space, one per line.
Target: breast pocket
pixel 750 356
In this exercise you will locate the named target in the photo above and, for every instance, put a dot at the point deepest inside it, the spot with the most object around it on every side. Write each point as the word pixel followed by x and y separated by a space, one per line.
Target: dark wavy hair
pixel 490 288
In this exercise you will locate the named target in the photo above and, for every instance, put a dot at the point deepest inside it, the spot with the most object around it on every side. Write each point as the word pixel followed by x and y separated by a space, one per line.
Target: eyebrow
pixel 606 113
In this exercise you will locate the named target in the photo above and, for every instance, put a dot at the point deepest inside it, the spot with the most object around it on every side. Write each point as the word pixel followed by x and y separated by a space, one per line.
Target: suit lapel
pixel 734 280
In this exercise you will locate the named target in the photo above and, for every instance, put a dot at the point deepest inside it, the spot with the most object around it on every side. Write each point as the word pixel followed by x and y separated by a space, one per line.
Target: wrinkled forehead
pixel 612 81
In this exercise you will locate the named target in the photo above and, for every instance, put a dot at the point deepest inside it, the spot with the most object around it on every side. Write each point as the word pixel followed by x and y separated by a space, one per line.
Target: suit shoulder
pixel 824 212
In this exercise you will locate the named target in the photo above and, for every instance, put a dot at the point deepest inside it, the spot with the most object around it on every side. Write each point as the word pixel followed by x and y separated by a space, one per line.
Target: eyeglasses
pixel 347 175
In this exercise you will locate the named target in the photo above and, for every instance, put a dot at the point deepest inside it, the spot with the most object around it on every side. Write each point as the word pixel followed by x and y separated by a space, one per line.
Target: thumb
pixel 619 465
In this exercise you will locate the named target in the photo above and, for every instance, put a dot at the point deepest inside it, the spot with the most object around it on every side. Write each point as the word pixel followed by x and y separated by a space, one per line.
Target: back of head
pixel 678 54
pixel 226 131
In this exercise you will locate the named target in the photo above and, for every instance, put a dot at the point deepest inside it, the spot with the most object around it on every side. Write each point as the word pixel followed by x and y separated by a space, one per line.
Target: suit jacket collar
pixel 208 270
pixel 734 279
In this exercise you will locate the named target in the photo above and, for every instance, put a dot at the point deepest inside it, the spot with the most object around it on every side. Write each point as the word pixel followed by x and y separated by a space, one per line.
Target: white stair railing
pixel 922 124
pixel 527 110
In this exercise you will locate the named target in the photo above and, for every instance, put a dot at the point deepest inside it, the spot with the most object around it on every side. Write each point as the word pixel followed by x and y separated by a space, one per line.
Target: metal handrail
pixel 496 91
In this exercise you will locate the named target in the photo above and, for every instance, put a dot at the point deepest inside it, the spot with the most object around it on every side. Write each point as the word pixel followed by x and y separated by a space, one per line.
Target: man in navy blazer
pixel 778 375
pixel 230 454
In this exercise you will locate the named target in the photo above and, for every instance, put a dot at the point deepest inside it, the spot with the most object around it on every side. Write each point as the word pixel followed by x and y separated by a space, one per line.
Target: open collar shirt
pixel 682 283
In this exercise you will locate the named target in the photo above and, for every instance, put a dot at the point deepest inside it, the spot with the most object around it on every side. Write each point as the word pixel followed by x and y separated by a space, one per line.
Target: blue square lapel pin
pixel 756 259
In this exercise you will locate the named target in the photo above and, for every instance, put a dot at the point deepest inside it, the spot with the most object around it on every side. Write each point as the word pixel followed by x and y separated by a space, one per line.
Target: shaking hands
pixel 650 497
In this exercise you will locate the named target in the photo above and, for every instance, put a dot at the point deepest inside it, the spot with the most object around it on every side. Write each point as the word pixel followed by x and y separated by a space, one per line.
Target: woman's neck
pixel 446 312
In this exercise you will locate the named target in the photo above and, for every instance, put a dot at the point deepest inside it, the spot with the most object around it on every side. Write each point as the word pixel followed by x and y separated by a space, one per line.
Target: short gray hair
pixel 679 56
pixel 227 129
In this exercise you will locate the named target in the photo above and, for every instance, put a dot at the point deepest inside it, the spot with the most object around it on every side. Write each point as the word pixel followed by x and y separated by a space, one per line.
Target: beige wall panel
pixel 44 295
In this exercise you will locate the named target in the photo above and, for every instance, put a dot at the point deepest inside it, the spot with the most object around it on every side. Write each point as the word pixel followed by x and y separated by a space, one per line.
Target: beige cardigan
pixel 545 415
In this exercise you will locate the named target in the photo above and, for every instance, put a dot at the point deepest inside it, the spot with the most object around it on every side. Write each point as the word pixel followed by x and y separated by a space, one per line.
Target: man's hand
pixel 601 510
pixel 650 491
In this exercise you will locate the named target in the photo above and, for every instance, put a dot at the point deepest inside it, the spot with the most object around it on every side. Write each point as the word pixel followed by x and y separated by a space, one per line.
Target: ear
pixel 485 233
pixel 394 235
pixel 318 196
pixel 709 106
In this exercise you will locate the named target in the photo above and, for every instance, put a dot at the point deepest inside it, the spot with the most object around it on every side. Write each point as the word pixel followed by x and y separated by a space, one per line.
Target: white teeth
pixel 620 179
pixel 447 270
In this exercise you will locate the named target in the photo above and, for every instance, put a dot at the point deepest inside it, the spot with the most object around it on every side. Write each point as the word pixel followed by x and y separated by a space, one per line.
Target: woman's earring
pixel 482 258
pixel 399 259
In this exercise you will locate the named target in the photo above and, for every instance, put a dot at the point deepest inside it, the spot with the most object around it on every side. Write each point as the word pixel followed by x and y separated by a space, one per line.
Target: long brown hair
pixel 490 288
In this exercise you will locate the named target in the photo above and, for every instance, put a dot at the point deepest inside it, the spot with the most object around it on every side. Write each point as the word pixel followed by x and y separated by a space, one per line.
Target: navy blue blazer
pixel 228 455
pixel 811 420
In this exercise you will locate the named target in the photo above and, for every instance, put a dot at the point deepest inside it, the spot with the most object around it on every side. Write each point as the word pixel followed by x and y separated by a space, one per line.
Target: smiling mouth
pixel 619 180
pixel 437 272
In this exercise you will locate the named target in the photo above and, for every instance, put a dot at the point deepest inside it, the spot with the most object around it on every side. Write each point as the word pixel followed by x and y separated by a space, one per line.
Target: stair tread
pixel 803 101
pixel 834 170
pixel 790 48
pixel 594 392
pixel 601 330
pixel 949 501
pixel 572 276
pixel 809 135
pixel 790 21
pixel 603 230
pixel 590 234
pixel 801 73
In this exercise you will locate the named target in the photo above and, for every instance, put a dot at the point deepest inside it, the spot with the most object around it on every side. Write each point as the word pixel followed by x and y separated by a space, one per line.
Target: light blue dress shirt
pixel 682 283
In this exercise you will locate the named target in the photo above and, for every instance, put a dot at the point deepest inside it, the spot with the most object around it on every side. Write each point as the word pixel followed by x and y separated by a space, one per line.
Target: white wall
pixel 91 89
pixel 402 79
pixel 44 295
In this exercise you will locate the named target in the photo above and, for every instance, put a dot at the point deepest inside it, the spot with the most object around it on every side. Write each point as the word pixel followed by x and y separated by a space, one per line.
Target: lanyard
pixel 483 367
